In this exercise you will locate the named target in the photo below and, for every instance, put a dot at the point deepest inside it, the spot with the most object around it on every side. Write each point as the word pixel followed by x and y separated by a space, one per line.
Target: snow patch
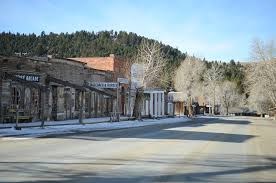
pixel 32 132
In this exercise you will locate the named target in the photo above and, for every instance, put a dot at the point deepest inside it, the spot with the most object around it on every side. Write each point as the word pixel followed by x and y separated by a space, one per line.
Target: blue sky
pixel 214 29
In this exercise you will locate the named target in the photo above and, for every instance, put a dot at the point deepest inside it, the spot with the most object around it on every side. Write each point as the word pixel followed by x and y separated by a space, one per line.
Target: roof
pixel 99 63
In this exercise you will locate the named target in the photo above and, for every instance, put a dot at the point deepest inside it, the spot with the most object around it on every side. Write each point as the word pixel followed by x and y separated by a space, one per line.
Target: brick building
pixel 118 65
pixel 120 68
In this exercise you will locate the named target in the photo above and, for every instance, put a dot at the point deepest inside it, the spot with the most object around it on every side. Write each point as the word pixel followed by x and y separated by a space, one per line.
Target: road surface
pixel 203 150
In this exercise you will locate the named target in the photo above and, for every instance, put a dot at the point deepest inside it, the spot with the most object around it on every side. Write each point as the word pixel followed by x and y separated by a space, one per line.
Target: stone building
pixel 51 88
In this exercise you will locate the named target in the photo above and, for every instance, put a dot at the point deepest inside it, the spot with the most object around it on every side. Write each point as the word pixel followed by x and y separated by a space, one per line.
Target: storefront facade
pixel 51 89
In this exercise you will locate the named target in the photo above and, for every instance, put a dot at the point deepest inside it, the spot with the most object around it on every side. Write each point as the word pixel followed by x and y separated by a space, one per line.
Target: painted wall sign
pixel 103 84
pixel 29 77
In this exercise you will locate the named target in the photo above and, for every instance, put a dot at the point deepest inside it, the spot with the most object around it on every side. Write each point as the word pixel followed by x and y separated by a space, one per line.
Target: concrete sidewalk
pixel 63 122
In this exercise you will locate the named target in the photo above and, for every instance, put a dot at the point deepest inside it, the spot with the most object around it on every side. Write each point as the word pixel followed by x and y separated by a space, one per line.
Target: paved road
pixel 204 150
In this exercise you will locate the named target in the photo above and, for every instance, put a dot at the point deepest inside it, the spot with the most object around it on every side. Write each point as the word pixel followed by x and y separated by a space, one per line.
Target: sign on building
pixel 28 77
pixel 137 75
pixel 122 80
pixel 103 84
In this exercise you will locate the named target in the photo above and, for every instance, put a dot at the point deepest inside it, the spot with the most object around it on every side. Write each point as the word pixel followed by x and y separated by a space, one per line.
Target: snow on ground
pixel 219 117
pixel 73 128
pixel 63 122
pixel 207 116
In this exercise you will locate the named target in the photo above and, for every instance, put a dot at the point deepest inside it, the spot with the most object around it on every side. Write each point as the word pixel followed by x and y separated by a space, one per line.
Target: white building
pixel 154 103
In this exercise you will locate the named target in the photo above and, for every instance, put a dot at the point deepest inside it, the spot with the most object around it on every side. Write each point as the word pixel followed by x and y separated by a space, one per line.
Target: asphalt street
pixel 203 150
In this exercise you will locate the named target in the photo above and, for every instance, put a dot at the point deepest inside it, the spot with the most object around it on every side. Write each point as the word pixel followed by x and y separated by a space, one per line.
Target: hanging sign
pixel 123 80
pixel 103 84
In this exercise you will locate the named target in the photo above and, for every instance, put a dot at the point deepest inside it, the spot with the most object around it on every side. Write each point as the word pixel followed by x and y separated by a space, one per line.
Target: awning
pixel 99 91
pixel 79 87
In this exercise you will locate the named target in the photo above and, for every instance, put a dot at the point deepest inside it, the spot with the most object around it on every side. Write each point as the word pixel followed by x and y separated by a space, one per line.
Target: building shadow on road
pixel 218 168
pixel 168 132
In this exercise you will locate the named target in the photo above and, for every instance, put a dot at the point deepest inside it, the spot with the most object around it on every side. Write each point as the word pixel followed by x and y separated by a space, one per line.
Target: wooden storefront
pixel 51 90
pixel 21 92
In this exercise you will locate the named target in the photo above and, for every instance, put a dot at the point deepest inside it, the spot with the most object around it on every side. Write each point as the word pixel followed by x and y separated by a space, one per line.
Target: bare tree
pixel 153 62
pixel 258 100
pixel 261 75
pixel 229 95
pixel 262 51
pixel 188 79
pixel 148 66
pixel 126 70
pixel 212 80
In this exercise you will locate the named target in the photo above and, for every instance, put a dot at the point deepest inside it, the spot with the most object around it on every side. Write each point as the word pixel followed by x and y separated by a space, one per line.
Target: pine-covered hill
pixel 80 44
pixel 232 71
pixel 103 43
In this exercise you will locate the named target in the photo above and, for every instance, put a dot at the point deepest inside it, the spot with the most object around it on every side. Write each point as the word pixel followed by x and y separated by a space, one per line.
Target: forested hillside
pixel 103 43
pixel 232 71
pixel 80 44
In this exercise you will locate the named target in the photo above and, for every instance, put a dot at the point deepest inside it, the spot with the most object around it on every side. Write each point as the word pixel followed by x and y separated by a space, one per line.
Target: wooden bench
pixel 11 116
pixel 25 118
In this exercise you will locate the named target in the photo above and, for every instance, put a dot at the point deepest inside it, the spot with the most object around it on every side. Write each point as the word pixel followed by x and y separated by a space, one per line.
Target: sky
pixel 211 29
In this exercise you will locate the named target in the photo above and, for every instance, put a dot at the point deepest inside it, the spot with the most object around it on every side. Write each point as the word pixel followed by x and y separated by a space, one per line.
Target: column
pixel 147 108
pixel 81 110
pixel 89 104
pixel 43 104
pixel 155 105
pixel 151 105
pixel 163 104
pixel 159 104
pixel 143 108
